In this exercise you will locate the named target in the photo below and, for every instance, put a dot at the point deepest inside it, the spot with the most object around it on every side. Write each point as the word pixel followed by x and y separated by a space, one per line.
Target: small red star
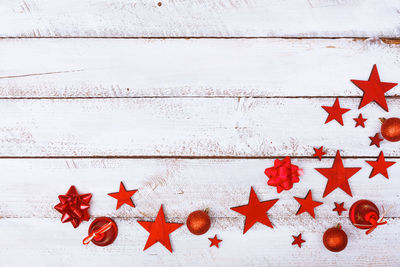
pixel 337 176
pixel 360 121
pixel 159 230
pixel 215 241
pixel 123 196
pixel 380 166
pixel 255 211
pixel 319 152
pixel 298 240
pixel 376 140
pixel 335 112
pixel 374 89
pixel 339 208
pixel 307 204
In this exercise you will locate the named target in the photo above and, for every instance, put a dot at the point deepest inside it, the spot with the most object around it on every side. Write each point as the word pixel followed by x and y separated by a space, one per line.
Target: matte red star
pixel 380 166
pixel 298 240
pixel 335 112
pixel 159 230
pixel 375 140
pixel 215 241
pixel 307 204
pixel 123 196
pixel 337 176
pixel 360 121
pixel 339 208
pixel 255 211
pixel 319 152
pixel 374 89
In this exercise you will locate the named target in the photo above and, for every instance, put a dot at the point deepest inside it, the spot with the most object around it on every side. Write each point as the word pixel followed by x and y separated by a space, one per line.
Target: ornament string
pixel 98 232
pixel 375 223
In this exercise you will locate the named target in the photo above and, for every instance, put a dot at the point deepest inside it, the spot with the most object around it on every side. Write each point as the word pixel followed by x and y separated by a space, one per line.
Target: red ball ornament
pixel 390 129
pixel 335 239
pixel 102 232
pixel 198 222
pixel 364 214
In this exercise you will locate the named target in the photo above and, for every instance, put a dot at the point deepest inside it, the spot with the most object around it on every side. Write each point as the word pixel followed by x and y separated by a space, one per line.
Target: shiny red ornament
pixel 380 166
pixel 335 112
pixel 102 232
pixel 198 222
pixel 297 240
pixel 390 129
pixel 283 174
pixel 74 207
pixel 364 214
pixel 215 241
pixel 123 196
pixel 307 204
pixel 375 140
pixel 360 121
pixel 319 152
pixel 339 208
pixel 335 239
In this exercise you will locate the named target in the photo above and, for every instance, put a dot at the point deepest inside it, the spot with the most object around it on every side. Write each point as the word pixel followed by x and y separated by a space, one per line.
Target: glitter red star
pixel 123 196
pixel 374 89
pixel 380 166
pixel 319 152
pixel 339 208
pixel 360 121
pixel 375 140
pixel 337 176
pixel 307 204
pixel 298 240
pixel 215 241
pixel 255 211
pixel 335 112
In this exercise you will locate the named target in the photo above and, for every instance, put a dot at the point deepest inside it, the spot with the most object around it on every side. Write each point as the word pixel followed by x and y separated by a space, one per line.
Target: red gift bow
pixel 283 174
pixel 74 207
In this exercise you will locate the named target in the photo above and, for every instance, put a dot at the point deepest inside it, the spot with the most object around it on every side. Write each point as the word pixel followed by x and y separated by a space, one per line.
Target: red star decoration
pixel 298 240
pixel 375 140
pixel 319 152
pixel 337 176
pixel 335 112
pixel 307 204
pixel 159 230
pixel 255 211
pixel 123 196
pixel 374 89
pixel 380 166
pixel 339 208
pixel 215 241
pixel 360 121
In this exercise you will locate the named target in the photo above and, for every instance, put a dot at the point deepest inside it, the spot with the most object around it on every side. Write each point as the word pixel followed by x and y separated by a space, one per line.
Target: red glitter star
pixel 360 121
pixel 380 166
pixel 215 241
pixel 298 240
pixel 319 152
pixel 307 204
pixel 376 140
pixel 123 196
pixel 339 208
pixel 335 112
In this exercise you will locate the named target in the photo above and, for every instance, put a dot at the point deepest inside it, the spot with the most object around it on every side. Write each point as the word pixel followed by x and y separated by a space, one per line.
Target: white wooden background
pixel 189 101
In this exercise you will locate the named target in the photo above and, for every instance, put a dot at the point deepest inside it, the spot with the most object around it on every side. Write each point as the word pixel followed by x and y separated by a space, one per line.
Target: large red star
pixel 215 241
pixel 339 208
pixel 375 140
pixel 159 230
pixel 337 176
pixel 360 121
pixel 380 166
pixel 307 204
pixel 335 112
pixel 319 152
pixel 298 240
pixel 255 211
pixel 123 196
pixel 374 89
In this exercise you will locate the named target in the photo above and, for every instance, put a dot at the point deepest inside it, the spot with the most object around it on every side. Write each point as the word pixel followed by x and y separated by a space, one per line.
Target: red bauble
pixel 198 222
pixel 390 129
pixel 102 232
pixel 335 239
pixel 364 214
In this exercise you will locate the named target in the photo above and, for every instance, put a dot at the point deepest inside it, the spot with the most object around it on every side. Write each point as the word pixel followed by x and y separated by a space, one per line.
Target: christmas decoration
pixel 335 112
pixel 337 176
pixel 380 166
pixel 283 174
pixel 298 240
pixel 319 152
pixel 335 239
pixel 74 207
pixel 307 204
pixel 123 196
pixel 390 129
pixel 364 214
pixel 198 222
pixel 215 241
pixel 255 211
pixel 339 208
pixel 360 121
pixel 159 230
pixel 102 232
pixel 375 140
pixel 374 89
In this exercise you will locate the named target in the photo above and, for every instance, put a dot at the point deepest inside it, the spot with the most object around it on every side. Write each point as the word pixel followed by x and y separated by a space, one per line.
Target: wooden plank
pixel 185 127
pixel 195 67
pixel 206 18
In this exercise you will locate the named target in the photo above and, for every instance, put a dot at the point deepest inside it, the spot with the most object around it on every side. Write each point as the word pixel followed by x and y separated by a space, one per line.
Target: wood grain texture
pixel 196 67
pixel 187 18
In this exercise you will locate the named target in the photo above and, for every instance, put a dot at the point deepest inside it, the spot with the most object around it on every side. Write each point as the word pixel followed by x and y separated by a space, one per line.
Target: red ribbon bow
pixel 283 174
pixel 375 223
